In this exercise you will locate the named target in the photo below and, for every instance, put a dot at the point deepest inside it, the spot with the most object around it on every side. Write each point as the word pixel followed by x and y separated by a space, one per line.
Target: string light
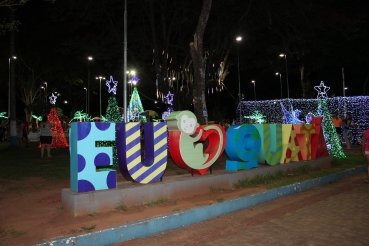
pixel 322 90
pixel 112 85
pixel 358 106
pixel 53 98
pixel 2 115
pixel 256 117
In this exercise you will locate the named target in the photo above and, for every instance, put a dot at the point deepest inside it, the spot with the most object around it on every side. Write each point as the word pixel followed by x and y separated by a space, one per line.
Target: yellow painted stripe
pixel 129 126
pixel 133 163
pixel 160 131
pixel 160 144
pixel 133 150
pixel 160 156
pixel 154 174
pixel 132 137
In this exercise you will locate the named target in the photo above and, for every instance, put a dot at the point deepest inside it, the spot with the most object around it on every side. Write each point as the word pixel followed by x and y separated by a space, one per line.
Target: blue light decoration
pixel 358 106
pixel 2 115
pixel 112 85
pixel 134 79
pixel 322 90
pixel 309 117
pixel 169 101
pixel 53 98
pixel 291 118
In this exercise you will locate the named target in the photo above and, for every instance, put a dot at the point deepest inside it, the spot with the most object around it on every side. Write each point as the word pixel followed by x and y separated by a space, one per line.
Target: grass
pixel 121 206
pixel 216 189
pixel 83 228
pixel 159 201
pixel 10 232
pixel 21 163
pixel 280 178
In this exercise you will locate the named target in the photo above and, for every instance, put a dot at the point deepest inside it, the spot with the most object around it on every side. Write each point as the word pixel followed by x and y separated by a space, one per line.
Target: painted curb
pixel 172 221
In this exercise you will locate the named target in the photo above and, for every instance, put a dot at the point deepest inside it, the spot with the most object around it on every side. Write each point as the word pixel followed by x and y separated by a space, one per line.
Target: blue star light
pixel 169 97
pixel 53 98
pixel 112 85
pixel 322 90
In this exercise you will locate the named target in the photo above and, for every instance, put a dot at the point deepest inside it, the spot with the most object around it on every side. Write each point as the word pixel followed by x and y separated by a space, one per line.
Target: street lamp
pixel 280 81
pixel 288 89
pixel 238 39
pixel 86 97
pixel 253 81
pixel 13 57
pixel 88 85
pixel 100 78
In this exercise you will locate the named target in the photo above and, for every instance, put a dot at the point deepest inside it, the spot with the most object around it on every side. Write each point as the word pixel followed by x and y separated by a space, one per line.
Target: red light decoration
pixel 59 141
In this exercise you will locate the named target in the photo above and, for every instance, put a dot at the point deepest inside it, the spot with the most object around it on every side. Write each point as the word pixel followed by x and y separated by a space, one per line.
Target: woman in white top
pixel 45 135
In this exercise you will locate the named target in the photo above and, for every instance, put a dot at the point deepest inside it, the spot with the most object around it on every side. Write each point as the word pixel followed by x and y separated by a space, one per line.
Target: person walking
pixel 346 128
pixel 45 135
pixel 25 131
pixel 19 132
pixel 365 150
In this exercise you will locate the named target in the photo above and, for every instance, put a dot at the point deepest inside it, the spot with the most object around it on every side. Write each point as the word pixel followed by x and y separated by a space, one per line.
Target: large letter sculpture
pixel 129 151
pixel 85 157
pixel 187 139
pixel 242 147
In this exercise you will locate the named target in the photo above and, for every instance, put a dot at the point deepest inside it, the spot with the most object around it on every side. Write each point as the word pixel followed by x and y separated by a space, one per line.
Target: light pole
pixel 45 83
pixel 238 39
pixel 280 81
pixel 288 89
pixel 45 99
pixel 14 57
pixel 100 78
pixel 88 85
pixel 253 81
pixel 86 97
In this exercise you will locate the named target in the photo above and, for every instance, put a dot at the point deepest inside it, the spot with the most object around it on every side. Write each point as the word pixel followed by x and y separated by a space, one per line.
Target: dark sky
pixel 53 37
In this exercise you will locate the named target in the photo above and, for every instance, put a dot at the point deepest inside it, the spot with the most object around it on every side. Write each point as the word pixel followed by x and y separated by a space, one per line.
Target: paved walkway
pixel 335 214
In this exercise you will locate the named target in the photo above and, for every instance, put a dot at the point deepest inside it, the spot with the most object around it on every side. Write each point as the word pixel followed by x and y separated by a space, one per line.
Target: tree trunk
pixel 199 64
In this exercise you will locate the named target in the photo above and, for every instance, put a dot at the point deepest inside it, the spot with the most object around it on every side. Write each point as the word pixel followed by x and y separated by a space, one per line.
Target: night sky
pixel 56 38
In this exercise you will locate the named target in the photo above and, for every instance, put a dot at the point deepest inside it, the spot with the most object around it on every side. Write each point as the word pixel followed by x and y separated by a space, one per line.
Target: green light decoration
pixel 38 118
pixel 2 115
pixel 256 117
pixel 135 108
pixel 330 134
pixel 104 119
pixel 79 116
pixel 113 114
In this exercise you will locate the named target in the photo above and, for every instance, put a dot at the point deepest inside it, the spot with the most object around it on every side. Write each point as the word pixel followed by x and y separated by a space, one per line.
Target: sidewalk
pixel 334 214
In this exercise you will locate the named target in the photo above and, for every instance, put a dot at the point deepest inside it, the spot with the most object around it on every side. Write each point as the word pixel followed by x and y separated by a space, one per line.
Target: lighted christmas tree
pixel 329 131
pixel 59 140
pixel 135 108
pixel 113 113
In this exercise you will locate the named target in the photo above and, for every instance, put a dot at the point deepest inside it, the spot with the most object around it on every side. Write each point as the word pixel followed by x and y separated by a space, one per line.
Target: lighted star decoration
pixel 112 85
pixel 2 115
pixel 134 80
pixel 322 90
pixel 169 98
pixel 53 98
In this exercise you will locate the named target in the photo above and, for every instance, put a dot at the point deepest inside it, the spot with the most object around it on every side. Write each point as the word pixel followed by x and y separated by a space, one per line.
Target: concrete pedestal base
pixel 173 187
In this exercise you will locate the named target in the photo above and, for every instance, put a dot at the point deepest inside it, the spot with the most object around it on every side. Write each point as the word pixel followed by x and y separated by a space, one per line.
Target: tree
pixel 330 133
pixel 199 62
